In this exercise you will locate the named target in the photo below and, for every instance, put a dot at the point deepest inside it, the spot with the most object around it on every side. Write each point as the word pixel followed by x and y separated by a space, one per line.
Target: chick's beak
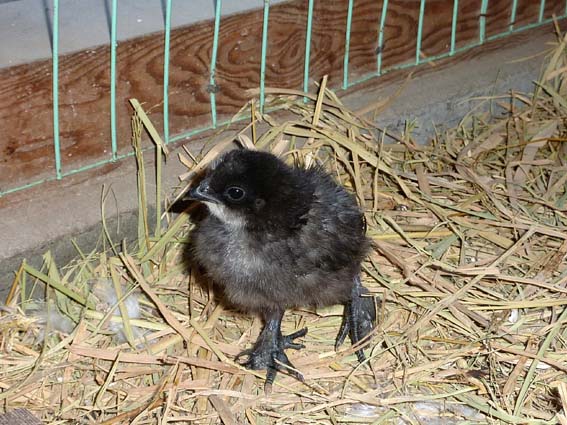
pixel 202 192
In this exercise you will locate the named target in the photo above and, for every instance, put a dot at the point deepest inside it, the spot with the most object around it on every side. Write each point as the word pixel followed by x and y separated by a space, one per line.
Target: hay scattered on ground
pixel 469 262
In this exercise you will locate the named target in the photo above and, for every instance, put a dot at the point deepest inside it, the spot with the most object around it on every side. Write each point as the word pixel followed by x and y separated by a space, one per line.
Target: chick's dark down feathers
pixel 278 237
pixel 298 242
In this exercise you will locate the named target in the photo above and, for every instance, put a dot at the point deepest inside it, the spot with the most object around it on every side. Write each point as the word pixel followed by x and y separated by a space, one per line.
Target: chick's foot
pixel 268 354
pixel 359 319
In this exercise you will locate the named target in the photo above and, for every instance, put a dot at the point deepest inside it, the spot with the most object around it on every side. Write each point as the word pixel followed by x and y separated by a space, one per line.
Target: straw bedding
pixel 468 266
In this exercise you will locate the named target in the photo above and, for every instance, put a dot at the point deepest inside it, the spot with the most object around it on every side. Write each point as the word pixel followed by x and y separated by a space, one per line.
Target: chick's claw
pixel 288 339
pixel 268 354
pixel 359 319
pixel 345 327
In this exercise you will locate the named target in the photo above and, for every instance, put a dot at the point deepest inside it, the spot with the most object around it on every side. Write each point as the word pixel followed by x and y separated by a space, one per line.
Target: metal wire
pixel 448 53
pixel 264 54
pixel 113 46
pixel 419 32
pixel 512 28
pixel 55 88
pixel 380 48
pixel 166 49
pixel 212 80
pixel 308 47
pixel 513 15
pixel 482 21
pixel 454 27
pixel 347 43
pixel 541 10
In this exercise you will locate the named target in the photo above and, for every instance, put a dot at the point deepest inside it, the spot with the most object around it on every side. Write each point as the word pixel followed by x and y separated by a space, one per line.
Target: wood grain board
pixel 26 148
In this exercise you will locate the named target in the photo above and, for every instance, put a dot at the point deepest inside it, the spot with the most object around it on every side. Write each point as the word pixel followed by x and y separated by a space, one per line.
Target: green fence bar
pixel 347 43
pixel 55 88
pixel 113 46
pixel 380 47
pixel 212 81
pixel 513 15
pixel 264 54
pixel 541 11
pixel 308 48
pixel 454 27
pixel 166 49
pixel 482 21
pixel 419 32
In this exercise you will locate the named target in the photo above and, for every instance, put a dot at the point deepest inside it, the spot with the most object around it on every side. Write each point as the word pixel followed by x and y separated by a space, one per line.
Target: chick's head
pixel 254 189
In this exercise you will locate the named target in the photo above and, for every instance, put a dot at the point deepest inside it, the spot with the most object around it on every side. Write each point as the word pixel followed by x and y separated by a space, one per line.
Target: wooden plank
pixel 26 151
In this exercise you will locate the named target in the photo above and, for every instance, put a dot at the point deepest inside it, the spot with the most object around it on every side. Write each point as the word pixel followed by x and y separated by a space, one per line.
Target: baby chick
pixel 280 237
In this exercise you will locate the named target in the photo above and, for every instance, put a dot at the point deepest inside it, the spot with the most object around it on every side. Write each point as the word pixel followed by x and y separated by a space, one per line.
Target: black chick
pixel 279 237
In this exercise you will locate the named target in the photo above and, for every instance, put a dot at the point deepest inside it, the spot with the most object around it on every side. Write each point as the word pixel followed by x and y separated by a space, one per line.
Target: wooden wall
pixel 26 150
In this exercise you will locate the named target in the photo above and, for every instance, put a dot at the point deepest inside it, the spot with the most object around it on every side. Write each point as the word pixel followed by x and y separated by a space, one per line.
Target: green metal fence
pixel 347 82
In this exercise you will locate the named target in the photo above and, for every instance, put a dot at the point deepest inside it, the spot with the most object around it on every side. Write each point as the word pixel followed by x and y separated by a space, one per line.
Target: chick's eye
pixel 235 193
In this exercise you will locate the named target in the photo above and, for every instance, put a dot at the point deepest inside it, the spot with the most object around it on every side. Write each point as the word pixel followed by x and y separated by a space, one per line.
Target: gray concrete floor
pixel 49 217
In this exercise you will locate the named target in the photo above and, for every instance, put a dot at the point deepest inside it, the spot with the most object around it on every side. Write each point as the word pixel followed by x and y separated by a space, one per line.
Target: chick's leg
pixel 359 318
pixel 268 351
